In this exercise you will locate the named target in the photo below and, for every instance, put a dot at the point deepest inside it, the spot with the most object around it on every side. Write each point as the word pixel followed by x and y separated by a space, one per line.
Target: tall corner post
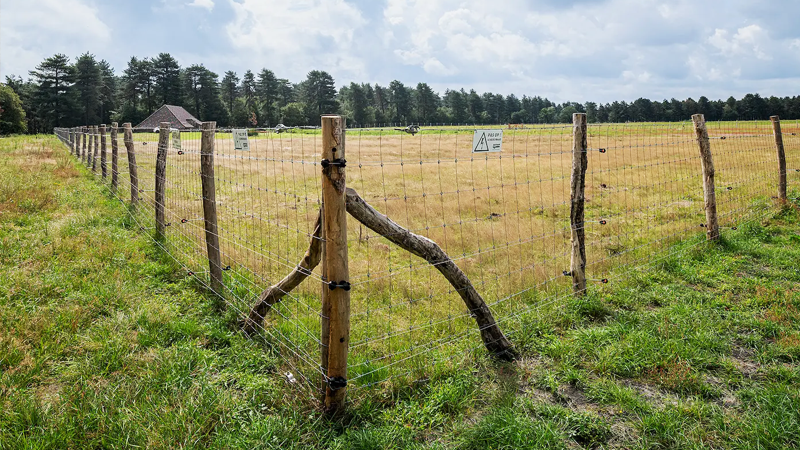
pixel 132 169
pixel 114 157
pixel 776 130
pixel 103 165
pixel 161 179
pixel 577 203
pixel 335 273
pixel 210 205
pixel 707 165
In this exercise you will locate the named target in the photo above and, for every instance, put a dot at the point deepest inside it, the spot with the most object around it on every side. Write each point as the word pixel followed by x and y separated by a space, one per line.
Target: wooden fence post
pixel 103 166
pixel 70 141
pixel 709 189
pixel 335 273
pixel 114 157
pixel 96 137
pixel 577 199
pixel 210 205
pixel 776 130
pixel 132 169
pixel 85 135
pixel 161 178
pixel 92 148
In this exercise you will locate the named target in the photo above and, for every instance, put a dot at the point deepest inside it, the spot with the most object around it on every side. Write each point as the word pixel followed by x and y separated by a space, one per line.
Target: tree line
pixel 62 93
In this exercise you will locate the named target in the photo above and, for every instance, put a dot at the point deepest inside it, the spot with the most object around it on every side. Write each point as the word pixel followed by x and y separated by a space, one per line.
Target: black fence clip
pixel 342 285
pixel 603 222
pixel 730 188
pixel 604 281
pixel 184 220
pixel 336 162
pixel 734 228
pixel 702 225
pixel 190 272
pixel 180 152
pixel 722 138
pixel 567 273
pixel 227 268
pixel 602 150
pixel 337 383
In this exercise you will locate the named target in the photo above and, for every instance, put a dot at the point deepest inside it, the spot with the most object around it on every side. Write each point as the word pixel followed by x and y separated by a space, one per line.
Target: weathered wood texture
pixel 132 169
pixel 580 162
pixel 210 205
pixel 103 165
pixel 114 157
pixel 161 179
pixel 81 145
pixel 707 164
pixel 493 338
pixel 776 130
pixel 95 146
pixel 275 293
pixel 85 150
pixel 334 265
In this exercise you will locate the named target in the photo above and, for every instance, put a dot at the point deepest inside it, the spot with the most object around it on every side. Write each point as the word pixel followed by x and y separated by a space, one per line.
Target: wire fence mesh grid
pixel 502 218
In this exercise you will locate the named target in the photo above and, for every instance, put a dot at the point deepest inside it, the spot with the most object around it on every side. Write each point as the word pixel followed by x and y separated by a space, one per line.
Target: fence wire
pixel 503 218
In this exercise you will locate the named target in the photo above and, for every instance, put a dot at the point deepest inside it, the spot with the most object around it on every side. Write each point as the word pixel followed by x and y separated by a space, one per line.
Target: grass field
pixel 106 342
pixel 503 217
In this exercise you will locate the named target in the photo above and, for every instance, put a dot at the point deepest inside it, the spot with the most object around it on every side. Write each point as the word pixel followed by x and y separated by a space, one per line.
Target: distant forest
pixel 63 93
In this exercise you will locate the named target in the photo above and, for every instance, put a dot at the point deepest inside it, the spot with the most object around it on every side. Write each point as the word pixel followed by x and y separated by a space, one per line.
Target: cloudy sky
pixel 577 50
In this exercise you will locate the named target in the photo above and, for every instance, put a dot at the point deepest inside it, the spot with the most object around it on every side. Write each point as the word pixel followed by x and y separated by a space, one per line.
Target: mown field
pixel 106 342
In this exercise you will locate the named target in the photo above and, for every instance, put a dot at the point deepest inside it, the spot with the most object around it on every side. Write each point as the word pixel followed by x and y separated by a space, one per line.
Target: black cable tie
pixel 227 268
pixel 602 150
pixel 180 152
pixel 604 281
pixel 190 272
pixel 734 228
pixel 722 138
pixel 337 383
pixel 184 220
pixel 342 285
pixel 567 273
pixel 168 224
pixel 730 188
pixel 702 225
pixel 603 222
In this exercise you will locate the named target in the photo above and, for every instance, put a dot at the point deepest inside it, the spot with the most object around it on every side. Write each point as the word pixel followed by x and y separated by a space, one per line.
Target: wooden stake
pixel 85 132
pixel 210 204
pixel 709 189
pixel 161 178
pixel 576 215
pixel 95 146
pixel 132 169
pixel 103 167
pixel 335 295
pixel 82 139
pixel 776 130
pixel 114 157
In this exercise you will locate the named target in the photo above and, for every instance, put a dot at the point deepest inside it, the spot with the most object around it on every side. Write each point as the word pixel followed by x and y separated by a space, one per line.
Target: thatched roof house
pixel 178 118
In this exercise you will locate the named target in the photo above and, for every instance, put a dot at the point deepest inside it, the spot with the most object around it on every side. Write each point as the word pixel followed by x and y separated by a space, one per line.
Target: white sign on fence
pixel 240 141
pixel 487 141
pixel 176 139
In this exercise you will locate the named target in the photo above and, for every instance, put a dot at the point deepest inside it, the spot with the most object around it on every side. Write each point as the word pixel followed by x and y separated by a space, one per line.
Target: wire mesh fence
pixel 504 219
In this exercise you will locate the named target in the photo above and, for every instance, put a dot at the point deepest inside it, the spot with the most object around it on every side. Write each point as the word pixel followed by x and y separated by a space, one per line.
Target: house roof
pixel 177 117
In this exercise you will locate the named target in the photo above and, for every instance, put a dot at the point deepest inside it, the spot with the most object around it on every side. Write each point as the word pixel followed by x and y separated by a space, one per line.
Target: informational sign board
pixel 240 141
pixel 176 139
pixel 485 141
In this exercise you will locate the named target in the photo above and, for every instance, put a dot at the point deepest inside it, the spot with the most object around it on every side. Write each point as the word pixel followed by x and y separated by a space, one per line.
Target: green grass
pixel 106 343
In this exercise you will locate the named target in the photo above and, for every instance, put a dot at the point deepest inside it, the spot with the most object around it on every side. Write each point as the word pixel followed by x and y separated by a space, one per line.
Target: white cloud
pixel 31 30
pixel 293 38
pixel 207 4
